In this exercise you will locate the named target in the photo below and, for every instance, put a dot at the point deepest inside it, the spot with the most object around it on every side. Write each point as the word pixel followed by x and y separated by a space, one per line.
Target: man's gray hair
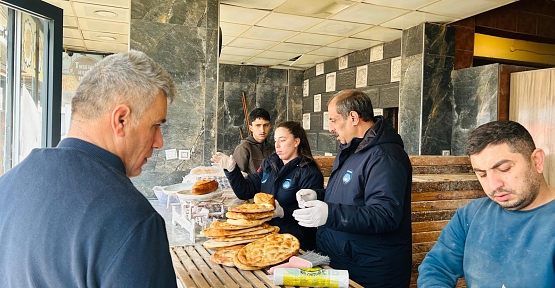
pixel 130 78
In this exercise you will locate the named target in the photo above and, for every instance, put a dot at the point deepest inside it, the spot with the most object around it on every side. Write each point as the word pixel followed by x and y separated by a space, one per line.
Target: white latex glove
pixel 304 195
pixel 223 161
pixel 278 211
pixel 316 214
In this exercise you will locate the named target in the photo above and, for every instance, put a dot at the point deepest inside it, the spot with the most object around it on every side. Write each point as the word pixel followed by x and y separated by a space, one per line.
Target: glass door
pixel 30 79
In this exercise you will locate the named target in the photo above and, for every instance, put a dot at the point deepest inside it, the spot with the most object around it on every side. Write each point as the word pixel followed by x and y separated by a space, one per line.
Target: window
pixel 29 79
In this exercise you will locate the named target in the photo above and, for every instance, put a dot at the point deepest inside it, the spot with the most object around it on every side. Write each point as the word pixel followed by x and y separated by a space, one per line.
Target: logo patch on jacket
pixel 286 184
pixel 348 176
pixel 265 177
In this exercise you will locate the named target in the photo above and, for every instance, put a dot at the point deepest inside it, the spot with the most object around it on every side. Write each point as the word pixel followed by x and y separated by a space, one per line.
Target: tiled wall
pixel 277 90
pixel 375 71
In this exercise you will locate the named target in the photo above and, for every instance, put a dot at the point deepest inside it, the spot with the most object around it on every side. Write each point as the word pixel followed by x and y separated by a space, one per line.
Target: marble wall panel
pixel 326 97
pixel 413 41
pixel 233 104
pixel 274 99
pixel 331 65
pixel 312 138
pixel 317 85
pixel 389 95
pixel 379 72
pixel 308 104
pixel 239 73
pixel 345 79
pixel 316 121
pixel 437 114
pixel 410 99
pixel 475 94
pixel 326 143
pixel 439 40
pixel 374 93
pixel 276 77
pixel 295 100
pixel 295 77
pixel 182 12
pixel 359 57
pixel 392 49
pixel 310 72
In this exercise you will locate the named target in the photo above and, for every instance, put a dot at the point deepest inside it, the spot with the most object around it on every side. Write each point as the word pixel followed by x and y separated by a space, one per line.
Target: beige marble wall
pixel 532 103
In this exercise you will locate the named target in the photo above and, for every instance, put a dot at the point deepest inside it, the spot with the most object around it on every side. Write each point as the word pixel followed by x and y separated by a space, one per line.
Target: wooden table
pixel 194 268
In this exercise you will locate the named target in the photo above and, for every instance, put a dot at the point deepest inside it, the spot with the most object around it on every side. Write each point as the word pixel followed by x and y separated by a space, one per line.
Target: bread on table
pixel 202 187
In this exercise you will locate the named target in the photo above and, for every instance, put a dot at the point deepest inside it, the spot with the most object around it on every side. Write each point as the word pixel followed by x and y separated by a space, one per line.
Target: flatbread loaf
pixel 214 232
pixel 225 255
pixel 242 265
pixel 267 251
pixel 227 226
pixel 251 208
pixel 216 245
pixel 250 216
pixel 248 223
pixel 249 235
pixel 264 198
pixel 204 186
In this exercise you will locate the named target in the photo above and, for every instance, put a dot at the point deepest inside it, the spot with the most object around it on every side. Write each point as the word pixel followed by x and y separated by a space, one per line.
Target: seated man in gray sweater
pixel 70 216
pixel 251 151
pixel 505 239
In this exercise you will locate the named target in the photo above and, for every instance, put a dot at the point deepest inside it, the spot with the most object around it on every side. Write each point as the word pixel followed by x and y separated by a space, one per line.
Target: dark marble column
pixel 425 102
pixel 182 36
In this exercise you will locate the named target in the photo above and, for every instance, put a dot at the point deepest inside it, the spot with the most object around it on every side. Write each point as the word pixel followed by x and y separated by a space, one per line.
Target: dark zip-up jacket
pixel 368 229
pixel 282 181
pixel 249 154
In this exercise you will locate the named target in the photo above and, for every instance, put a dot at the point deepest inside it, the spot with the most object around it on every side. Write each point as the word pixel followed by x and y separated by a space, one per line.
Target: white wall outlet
pixel 171 154
pixel 184 154
pixel 445 152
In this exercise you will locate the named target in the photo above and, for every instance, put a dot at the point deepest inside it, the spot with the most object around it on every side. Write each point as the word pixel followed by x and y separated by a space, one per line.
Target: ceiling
pixel 275 33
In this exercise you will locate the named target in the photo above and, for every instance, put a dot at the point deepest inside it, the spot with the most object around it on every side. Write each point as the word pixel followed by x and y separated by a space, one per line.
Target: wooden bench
pixel 440 185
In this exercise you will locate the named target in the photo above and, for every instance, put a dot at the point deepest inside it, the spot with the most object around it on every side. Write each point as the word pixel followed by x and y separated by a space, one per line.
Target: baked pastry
pixel 214 232
pixel 227 226
pixel 267 251
pixel 216 245
pixel 250 216
pixel 264 198
pixel 251 208
pixel 246 237
pixel 242 265
pixel 225 255
pixel 246 222
pixel 202 187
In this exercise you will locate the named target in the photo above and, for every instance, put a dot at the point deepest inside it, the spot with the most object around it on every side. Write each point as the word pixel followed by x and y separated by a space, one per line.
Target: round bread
pixel 227 226
pixel 225 255
pixel 269 250
pixel 251 208
pixel 248 223
pixel 241 265
pixel 213 232
pixel 250 216
pixel 204 186
pixel 264 198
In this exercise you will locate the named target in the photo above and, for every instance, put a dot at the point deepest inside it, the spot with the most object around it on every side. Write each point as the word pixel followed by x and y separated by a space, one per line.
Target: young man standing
pixel 253 149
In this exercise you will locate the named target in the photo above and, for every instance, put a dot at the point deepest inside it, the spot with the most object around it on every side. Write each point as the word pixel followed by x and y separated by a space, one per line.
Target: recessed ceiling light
pixel 105 13
pixel 109 38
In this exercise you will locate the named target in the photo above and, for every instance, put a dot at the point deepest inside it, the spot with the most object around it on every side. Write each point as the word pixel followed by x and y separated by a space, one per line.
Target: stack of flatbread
pixel 245 223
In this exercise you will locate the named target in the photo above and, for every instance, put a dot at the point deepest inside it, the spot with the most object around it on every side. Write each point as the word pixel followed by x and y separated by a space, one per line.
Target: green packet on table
pixel 311 277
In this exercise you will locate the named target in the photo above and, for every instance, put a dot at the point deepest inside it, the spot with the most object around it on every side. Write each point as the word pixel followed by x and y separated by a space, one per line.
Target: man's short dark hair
pixel 259 113
pixel 501 132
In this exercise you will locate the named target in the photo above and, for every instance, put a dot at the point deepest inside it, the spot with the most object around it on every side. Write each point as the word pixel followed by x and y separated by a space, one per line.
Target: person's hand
pixel 223 161
pixel 316 214
pixel 304 195
pixel 278 211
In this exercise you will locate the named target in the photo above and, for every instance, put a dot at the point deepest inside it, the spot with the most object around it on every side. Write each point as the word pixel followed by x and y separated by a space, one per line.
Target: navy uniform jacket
pixel 282 181
pixel 368 229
